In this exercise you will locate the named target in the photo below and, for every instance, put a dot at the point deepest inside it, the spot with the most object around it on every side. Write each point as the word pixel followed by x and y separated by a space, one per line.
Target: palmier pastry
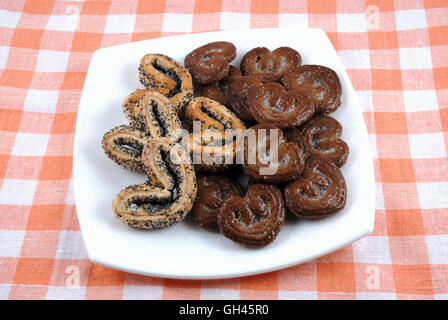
pixel 256 220
pixel 130 103
pixel 270 66
pixel 168 195
pixel 319 83
pixel 160 73
pixel 124 145
pixel 268 157
pixel 322 137
pixel 293 135
pixel 213 190
pixel 237 91
pixel 210 63
pixel 214 148
pixel 320 192
pixel 153 113
pixel 271 103
pixel 219 90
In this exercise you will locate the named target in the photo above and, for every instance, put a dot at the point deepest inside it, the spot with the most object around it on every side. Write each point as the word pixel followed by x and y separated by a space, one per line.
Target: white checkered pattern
pixel 71 246
pixel 415 58
pixel 351 22
pixel 19 192
pixel 371 250
pixel 123 23
pixel 420 100
pixel 174 22
pixel 410 19
pixel 433 194
pixel 234 21
pixel 292 21
pixel 41 101
pixel 11 241
pixel 30 144
pixel 355 59
pixel 52 61
pixel 9 19
pixel 427 145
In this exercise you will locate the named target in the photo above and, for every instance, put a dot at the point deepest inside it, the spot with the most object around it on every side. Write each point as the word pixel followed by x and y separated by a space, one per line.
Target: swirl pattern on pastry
pixel 269 158
pixel 210 62
pixel 320 192
pixel 270 66
pixel 238 90
pixel 154 115
pixel 218 91
pixel 256 220
pixel 214 148
pixel 160 73
pixel 213 190
pixel 322 137
pixel 271 103
pixel 124 145
pixel 130 103
pixel 168 195
pixel 293 135
pixel 319 83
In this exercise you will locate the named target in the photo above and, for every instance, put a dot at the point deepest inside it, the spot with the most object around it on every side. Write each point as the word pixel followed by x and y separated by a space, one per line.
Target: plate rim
pixel 96 256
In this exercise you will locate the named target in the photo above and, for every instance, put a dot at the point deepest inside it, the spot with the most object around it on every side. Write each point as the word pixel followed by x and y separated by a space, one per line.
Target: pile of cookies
pixel 266 121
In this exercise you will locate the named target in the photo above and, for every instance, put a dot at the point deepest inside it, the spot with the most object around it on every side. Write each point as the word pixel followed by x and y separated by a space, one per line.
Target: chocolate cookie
pixel 320 192
pixel 213 190
pixel 237 92
pixel 270 66
pixel 319 83
pixel 218 91
pixel 268 157
pixel 322 137
pixel 210 63
pixel 293 135
pixel 271 103
pixel 256 219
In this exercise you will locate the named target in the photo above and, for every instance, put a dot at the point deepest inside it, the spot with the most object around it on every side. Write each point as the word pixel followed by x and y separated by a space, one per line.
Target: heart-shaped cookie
pixel 319 83
pixel 219 90
pixel 168 195
pixel 320 192
pixel 237 93
pixel 152 113
pixel 210 63
pixel 213 147
pixel 256 220
pixel 270 66
pixel 160 73
pixel 268 157
pixel 124 145
pixel 213 190
pixel 293 135
pixel 271 103
pixel 322 137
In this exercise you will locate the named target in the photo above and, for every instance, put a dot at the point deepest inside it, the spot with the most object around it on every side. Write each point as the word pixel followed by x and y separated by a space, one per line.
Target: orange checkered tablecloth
pixel 396 54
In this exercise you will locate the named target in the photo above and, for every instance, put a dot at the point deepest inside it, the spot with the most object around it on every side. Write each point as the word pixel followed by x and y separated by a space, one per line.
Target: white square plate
pixel 184 250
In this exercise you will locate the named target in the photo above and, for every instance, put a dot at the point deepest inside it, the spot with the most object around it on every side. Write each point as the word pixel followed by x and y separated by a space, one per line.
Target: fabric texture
pixel 396 54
